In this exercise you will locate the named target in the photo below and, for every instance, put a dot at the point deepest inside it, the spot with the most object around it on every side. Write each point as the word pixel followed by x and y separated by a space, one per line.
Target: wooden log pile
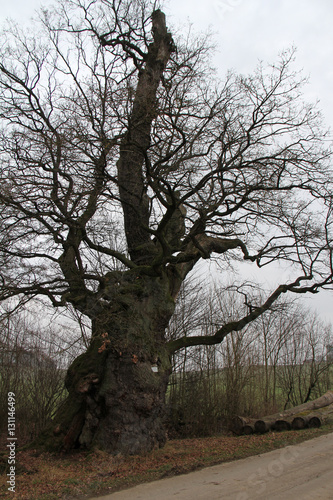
pixel 311 414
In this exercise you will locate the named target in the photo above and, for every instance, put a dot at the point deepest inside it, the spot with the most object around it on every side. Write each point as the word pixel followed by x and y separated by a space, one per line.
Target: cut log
pixel 302 421
pixel 299 423
pixel 318 421
pixel 285 420
pixel 268 423
pixel 242 425
pixel 282 425
pixel 248 429
pixel 265 424
pixel 315 418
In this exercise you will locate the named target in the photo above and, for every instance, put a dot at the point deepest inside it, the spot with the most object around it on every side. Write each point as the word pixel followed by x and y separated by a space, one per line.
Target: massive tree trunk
pixel 117 387
pixel 115 402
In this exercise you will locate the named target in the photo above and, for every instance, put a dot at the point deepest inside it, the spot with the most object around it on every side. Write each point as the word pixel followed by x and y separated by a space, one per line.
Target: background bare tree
pixel 124 163
pixel 33 359
pixel 305 368
pixel 278 361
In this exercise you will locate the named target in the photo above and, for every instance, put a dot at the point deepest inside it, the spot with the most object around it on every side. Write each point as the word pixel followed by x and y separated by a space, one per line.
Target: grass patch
pixel 80 475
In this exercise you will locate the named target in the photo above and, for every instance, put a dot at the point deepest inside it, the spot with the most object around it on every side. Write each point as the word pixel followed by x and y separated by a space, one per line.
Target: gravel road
pixel 303 471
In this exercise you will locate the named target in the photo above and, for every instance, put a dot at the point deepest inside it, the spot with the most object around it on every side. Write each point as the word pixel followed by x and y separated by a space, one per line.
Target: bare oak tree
pixel 124 163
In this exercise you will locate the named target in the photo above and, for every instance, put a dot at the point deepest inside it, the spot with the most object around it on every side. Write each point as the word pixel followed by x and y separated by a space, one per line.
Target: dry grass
pixel 81 475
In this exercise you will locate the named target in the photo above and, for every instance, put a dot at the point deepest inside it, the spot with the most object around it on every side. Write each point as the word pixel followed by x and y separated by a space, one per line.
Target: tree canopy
pixel 120 149
pixel 125 160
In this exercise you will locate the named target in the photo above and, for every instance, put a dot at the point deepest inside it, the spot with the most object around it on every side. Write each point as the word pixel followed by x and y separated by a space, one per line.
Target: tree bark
pixel 134 146
pixel 116 389
pixel 116 402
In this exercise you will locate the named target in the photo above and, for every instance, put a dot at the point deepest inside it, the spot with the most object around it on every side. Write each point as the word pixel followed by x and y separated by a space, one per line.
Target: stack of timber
pixel 311 414
pixel 315 418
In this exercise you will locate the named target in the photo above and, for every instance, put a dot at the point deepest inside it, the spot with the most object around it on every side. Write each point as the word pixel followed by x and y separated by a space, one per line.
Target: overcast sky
pixel 251 30
pixel 247 31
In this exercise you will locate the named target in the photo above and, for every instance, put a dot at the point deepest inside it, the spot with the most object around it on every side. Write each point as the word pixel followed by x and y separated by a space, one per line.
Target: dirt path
pixel 303 471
